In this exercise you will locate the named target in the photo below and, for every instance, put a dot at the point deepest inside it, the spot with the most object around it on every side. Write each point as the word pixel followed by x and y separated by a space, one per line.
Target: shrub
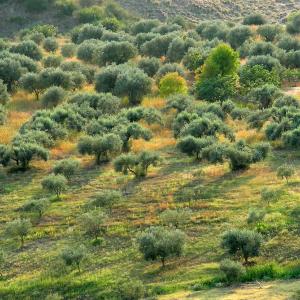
pixel 270 195
pixel 68 50
pixel 179 102
pixel 257 76
pixel 269 32
pixel 93 223
pixel 254 19
pixel 88 49
pixel 50 44
pixel 3 114
pixel 238 35
pixel 90 14
pixel 266 61
pixel 73 255
pixel 169 68
pixel 115 52
pixel 112 24
pixel 233 270
pixel 285 172
pixel 144 26
pixel 4 95
pixel 130 289
pixel 175 218
pixel 28 48
pixel 88 32
pixel 160 243
pixel 264 95
pixel 195 58
pixel 158 46
pixel 288 43
pixel 106 199
pixel 66 167
pixel 52 61
pixel 178 48
pixel 171 84
pixel 66 7
pixel 55 184
pixel 134 84
pixel 242 242
pixel 53 96
pixel 149 65
pixel 293 24
pixel 36 206
pixel 255 216
pixel 216 88
pixel 18 228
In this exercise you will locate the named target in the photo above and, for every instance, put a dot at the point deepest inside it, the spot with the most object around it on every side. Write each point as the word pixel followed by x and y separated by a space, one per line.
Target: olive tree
pixel 66 167
pixel 3 114
pixel 28 48
pixel 175 217
pixel 115 52
pixel 137 164
pixel 68 50
pixel 269 32
pixel 102 147
pixel 55 184
pixel 193 146
pixel 92 223
pixel 32 83
pixel 149 65
pixel 24 152
pixel 50 44
pixel 243 243
pixel 134 84
pixel 18 228
pixel 53 96
pixel 238 35
pixel 293 23
pixel 38 206
pixel 285 171
pixel 254 19
pixel 10 72
pixel 160 243
pixel 106 199
pixel 73 255
pixel 132 131
pixel 4 95
pixel 270 195
pixel 264 95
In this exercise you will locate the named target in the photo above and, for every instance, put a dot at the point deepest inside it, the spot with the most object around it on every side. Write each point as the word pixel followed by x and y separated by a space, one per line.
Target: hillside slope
pixel 211 9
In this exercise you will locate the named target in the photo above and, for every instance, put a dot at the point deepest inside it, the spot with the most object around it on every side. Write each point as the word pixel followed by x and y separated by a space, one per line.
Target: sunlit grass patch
pixel 157 102
pixel 14 121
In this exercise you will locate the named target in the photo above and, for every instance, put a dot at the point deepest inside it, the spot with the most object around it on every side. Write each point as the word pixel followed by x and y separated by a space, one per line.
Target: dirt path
pixel 275 290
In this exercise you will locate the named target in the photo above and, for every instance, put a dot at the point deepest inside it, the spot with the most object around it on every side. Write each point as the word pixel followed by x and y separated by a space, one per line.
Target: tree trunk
pixel 163 262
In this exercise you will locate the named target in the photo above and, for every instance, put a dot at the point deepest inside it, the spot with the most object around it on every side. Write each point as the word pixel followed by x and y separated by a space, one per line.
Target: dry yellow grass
pixel 163 138
pixel 157 103
pixel 64 148
pixel 14 122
